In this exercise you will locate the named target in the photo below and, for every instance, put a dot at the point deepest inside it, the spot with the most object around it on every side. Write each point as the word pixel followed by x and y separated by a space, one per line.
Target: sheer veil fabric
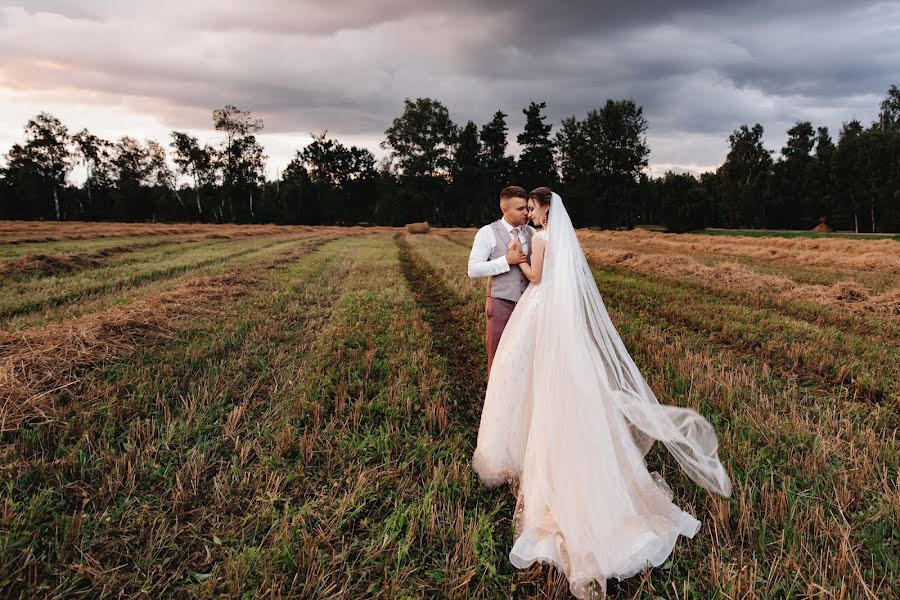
pixel 568 416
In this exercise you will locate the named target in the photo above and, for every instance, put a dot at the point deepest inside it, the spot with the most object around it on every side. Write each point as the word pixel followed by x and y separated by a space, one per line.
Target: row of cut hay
pixel 46 264
pixel 36 362
pixel 326 236
pixel 21 232
pixel 41 301
pixel 785 485
pixel 862 245
pixel 848 294
pixel 829 352
pixel 843 293
pixel 36 232
pixel 864 254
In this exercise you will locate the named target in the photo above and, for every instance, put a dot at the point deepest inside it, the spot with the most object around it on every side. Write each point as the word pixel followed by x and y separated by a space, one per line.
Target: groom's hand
pixel 514 254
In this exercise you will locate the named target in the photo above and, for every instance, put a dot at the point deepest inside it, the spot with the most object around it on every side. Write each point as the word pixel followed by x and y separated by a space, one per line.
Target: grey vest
pixel 510 285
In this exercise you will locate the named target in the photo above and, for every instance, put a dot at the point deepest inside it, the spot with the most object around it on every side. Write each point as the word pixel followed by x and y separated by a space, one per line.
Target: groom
pixel 498 251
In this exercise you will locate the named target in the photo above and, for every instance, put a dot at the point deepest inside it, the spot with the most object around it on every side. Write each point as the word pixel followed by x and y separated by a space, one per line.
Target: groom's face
pixel 515 210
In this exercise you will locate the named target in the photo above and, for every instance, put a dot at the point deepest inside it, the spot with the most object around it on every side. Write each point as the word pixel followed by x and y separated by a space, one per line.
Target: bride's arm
pixel 536 268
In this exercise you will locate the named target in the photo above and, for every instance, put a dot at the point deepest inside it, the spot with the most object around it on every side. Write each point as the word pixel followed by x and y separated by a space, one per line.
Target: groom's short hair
pixel 513 191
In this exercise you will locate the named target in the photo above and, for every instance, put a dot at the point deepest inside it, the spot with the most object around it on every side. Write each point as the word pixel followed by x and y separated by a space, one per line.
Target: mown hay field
pixel 197 411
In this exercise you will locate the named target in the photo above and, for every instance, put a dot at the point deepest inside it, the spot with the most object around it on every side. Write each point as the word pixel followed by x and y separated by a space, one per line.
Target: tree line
pixel 451 175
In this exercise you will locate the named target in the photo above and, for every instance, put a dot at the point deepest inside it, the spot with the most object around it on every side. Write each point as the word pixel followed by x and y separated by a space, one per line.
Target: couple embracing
pixel 567 416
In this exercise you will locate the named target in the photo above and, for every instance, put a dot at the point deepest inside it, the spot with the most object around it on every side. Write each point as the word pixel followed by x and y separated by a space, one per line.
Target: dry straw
pixel 44 264
pixel 36 363
pixel 833 253
pixel 21 232
pixel 849 294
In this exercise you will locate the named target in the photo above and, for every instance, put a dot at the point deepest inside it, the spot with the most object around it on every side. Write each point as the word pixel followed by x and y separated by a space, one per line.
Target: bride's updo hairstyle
pixel 542 196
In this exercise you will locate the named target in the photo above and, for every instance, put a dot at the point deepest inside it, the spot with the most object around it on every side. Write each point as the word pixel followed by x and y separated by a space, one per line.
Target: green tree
pixel 618 131
pixel 342 178
pixel 243 171
pixel 133 171
pixel 647 200
pixel 883 157
pixel 572 151
pixel 601 159
pixel 822 179
pixel 535 166
pixel 711 181
pixel 744 178
pixel 8 210
pixel 243 159
pixel 196 162
pixel 685 203
pixel 132 162
pixel 889 117
pixel 328 161
pixel 792 204
pixel 421 143
pixel 468 176
pixel 41 166
pixel 295 193
pixel 497 165
pixel 421 140
pixel 94 154
pixel 163 179
pixel 577 169
pixel 848 165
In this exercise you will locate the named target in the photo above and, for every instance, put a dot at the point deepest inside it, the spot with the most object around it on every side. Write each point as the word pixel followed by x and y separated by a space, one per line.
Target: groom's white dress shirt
pixel 485 242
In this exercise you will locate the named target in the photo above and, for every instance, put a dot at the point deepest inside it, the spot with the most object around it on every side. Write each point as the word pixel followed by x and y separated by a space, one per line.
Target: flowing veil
pixel 580 356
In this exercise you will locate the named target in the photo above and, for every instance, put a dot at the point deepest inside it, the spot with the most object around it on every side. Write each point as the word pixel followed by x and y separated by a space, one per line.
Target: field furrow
pixel 801 341
pixel 9 254
pixel 843 297
pixel 862 254
pixel 262 257
pixel 170 443
pixel 37 362
pixel 815 354
pixel 405 516
pixel 45 265
pixel 31 296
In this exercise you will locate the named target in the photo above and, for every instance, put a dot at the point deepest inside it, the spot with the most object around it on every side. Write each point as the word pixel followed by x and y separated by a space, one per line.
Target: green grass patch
pixel 798 234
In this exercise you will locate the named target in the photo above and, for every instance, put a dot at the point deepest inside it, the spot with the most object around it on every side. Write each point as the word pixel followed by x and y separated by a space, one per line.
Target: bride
pixel 569 418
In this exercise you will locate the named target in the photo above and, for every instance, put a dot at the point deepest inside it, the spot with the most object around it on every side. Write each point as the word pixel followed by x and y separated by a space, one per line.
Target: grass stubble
pixel 105 498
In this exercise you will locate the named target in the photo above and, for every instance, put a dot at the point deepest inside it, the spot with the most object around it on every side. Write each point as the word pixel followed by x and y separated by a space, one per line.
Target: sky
pixel 699 68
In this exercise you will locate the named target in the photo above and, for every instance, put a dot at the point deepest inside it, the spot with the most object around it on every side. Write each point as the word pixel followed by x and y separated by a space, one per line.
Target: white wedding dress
pixel 569 418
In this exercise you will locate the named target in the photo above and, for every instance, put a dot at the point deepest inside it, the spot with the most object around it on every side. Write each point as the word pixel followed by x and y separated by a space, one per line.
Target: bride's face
pixel 536 212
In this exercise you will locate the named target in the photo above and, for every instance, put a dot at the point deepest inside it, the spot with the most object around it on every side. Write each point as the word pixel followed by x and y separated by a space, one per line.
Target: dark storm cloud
pixel 527 18
pixel 699 68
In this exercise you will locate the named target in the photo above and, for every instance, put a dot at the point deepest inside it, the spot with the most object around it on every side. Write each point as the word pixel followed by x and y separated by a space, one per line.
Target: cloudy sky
pixel 699 70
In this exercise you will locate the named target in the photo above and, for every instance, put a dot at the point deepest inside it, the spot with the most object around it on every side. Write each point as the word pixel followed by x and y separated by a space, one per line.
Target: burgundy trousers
pixel 498 312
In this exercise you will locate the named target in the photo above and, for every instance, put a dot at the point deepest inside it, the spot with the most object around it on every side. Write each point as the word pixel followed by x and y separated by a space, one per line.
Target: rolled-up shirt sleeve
pixel 480 264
